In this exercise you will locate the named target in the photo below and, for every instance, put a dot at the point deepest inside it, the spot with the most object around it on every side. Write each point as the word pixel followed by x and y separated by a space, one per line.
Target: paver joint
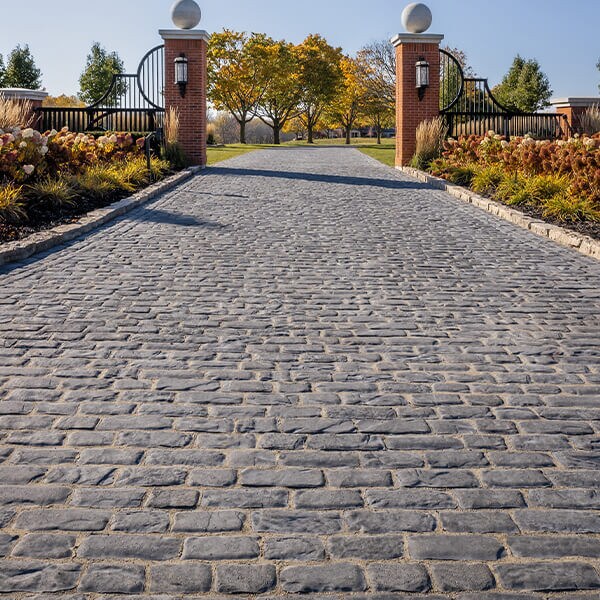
pixel 301 373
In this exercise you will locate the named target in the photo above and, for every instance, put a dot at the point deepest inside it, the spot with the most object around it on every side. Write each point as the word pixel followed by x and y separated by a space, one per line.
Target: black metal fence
pixel 133 102
pixel 469 107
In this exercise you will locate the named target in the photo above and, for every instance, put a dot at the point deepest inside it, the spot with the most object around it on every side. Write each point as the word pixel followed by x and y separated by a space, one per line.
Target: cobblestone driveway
pixel 301 372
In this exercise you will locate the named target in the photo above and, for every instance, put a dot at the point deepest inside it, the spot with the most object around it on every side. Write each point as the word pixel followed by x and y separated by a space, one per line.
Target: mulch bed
pixel 583 227
pixel 43 221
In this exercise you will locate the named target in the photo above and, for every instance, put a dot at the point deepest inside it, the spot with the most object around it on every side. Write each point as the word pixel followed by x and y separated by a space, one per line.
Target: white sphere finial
pixel 416 18
pixel 186 14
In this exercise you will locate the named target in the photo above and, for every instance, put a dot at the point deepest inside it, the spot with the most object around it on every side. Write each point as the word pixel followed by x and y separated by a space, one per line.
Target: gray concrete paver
pixel 301 373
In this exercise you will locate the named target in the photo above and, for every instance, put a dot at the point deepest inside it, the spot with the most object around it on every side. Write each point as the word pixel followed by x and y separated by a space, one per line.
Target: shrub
pixel 12 203
pixel 15 113
pixel 570 209
pixel 462 175
pixel 590 120
pixel 487 179
pixel 96 183
pixel 563 175
pixel 430 141
pixel 52 193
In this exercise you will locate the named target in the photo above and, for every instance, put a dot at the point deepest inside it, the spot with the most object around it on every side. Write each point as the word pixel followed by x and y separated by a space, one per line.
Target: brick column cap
pixel 184 34
pixel 416 38
pixel 574 102
pixel 23 94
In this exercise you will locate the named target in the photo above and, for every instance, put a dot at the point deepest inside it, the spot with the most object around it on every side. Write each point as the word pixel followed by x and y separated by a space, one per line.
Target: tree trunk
pixel 348 135
pixel 379 134
pixel 310 133
pixel 242 132
pixel 276 132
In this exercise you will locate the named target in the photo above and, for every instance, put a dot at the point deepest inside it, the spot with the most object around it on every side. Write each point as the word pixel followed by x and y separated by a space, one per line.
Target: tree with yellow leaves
pixel 279 103
pixel 319 77
pixel 238 73
pixel 349 100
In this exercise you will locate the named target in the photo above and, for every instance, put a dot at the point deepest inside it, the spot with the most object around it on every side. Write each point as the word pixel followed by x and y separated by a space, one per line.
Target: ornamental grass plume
pixel 172 126
pixel 430 142
pixel 15 113
pixel 590 120
pixel 173 151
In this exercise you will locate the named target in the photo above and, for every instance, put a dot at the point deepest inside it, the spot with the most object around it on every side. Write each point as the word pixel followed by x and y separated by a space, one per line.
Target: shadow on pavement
pixel 319 177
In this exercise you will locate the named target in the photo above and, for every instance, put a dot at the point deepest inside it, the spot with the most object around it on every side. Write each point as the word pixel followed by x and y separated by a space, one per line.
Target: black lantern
pixel 181 73
pixel 422 67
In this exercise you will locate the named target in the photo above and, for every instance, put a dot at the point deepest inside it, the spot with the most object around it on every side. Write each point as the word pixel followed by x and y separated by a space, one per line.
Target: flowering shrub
pixel 27 154
pixel 509 170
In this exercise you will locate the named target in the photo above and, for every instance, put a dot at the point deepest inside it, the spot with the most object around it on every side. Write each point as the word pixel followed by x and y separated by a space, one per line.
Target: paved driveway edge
pixel 44 240
pixel 565 237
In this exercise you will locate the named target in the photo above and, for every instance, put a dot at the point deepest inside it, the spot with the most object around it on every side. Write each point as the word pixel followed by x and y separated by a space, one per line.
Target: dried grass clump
pixel 173 152
pixel 430 142
pixel 590 120
pixel 15 113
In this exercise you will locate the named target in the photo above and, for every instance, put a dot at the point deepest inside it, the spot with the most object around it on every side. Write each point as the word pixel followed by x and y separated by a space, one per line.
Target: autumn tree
pixel 21 70
pixel 525 88
pixel 63 101
pixel 96 79
pixel 378 65
pixel 350 97
pixel 377 71
pixel 237 74
pixel 279 102
pixel 319 76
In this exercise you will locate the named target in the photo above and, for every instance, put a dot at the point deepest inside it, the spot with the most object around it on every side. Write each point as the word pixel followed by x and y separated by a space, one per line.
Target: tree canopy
pixel 319 75
pixel 21 70
pixel 279 102
pixel 238 73
pixel 525 87
pixel 98 73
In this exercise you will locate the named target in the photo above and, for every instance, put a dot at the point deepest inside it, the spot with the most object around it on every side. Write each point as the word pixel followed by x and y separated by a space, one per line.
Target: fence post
pixel 413 105
pixel 190 100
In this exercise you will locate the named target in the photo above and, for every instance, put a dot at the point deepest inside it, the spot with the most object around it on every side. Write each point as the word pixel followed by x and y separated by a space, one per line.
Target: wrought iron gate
pixel 469 107
pixel 133 102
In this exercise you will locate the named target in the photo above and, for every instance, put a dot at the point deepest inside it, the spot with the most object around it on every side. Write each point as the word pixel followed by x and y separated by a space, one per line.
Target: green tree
pixel 319 76
pixel 598 67
pixel 2 71
pixel 279 103
pixel 97 76
pixel 237 74
pixel 525 87
pixel 21 71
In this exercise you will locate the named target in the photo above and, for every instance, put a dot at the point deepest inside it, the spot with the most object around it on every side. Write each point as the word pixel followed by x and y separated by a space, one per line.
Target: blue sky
pixel 564 37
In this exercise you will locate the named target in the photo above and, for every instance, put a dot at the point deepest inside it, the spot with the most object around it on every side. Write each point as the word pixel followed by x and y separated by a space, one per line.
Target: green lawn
pixel 220 153
pixel 384 153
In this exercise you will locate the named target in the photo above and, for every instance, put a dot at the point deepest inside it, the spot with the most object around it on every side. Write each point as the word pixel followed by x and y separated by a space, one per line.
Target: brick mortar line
pixel 565 237
pixel 45 240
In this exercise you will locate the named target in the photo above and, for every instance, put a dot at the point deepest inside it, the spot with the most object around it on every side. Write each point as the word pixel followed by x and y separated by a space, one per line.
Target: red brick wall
pixel 192 108
pixel 410 111
pixel 573 113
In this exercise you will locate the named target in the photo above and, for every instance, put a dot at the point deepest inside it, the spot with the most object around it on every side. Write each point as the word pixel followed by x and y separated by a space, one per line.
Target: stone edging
pixel 571 239
pixel 44 240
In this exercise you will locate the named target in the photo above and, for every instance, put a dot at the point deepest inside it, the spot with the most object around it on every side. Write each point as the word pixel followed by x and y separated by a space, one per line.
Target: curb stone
pixel 44 240
pixel 565 237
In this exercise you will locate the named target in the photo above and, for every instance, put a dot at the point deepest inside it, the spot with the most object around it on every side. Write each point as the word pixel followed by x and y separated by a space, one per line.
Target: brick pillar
pixel 574 108
pixel 34 97
pixel 410 111
pixel 192 107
